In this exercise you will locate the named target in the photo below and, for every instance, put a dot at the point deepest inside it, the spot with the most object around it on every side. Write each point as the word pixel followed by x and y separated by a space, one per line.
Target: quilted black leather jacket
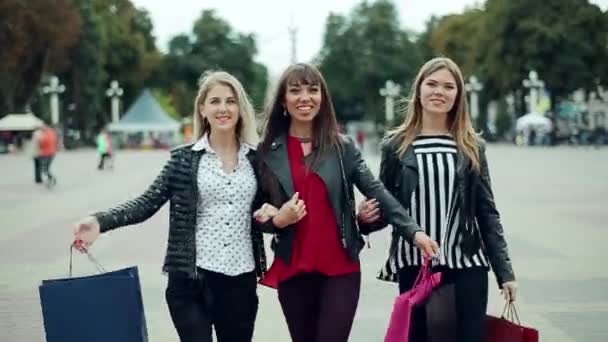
pixel 177 183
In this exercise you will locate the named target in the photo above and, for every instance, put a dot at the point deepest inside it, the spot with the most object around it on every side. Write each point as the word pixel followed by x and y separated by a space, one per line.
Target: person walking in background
pixel 435 164
pixel 35 152
pixel 104 149
pixel 308 171
pixel 48 146
pixel 361 139
pixel 215 252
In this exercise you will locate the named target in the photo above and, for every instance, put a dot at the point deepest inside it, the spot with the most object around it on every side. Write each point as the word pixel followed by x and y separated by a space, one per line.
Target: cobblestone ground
pixel 553 203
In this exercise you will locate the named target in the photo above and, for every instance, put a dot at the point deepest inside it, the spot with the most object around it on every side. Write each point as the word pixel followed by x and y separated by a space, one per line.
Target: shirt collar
pixel 203 145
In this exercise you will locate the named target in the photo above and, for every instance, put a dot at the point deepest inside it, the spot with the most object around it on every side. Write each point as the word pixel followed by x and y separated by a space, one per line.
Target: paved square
pixel 553 203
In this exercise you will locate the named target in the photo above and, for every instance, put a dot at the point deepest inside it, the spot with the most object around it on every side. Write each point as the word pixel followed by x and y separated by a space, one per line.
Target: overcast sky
pixel 269 20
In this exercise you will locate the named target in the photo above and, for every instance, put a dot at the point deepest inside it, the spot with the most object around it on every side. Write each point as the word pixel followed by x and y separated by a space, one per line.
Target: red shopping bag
pixel 399 326
pixel 508 328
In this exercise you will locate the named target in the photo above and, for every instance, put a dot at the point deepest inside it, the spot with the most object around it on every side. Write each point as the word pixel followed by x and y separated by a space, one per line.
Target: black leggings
pixel 319 308
pixel 228 303
pixel 102 160
pixel 471 302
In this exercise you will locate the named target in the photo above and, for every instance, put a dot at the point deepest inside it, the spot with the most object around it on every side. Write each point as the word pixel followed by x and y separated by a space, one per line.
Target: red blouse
pixel 317 247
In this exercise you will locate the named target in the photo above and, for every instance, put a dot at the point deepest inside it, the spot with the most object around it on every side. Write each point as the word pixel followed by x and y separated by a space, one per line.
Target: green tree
pixel 564 40
pixel 342 81
pixel 376 49
pixel 34 37
pixel 604 72
pixel 423 40
pixel 116 43
pixel 457 37
pixel 84 79
pixel 129 53
pixel 218 46
pixel 212 45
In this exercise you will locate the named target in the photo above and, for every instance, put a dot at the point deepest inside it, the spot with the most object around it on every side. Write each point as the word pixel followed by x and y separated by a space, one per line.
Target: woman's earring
pixel 284 112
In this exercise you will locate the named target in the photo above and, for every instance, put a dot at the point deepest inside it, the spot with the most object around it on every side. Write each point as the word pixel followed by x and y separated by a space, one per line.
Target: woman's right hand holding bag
pixel 86 231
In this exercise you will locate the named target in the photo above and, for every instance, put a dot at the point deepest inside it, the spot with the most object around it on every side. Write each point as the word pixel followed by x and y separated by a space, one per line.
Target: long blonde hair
pixel 246 129
pixel 459 121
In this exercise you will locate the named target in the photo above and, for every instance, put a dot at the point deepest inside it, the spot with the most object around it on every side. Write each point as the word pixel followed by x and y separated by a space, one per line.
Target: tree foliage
pixel 563 40
pixel 360 53
pixel 34 36
pixel 88 43
pixel 116 43
pixel 458 36
pixel 212 45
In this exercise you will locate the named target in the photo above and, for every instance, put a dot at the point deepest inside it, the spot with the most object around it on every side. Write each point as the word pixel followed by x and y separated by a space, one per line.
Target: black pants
pixel 470 302
pixel 229 304
pixel 45 167
pixel 319 308
pixel 102 160
pixel 37 170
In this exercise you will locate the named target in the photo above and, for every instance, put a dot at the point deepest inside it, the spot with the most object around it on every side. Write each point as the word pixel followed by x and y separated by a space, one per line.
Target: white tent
pixel 535 121
pixel 20 122
pixel 145 115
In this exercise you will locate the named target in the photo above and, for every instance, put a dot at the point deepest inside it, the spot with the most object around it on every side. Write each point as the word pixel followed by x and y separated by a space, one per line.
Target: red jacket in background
pixel 48 142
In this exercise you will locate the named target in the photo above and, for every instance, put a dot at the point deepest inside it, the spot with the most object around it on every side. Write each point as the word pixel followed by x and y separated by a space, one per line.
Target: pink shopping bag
pixel 399 326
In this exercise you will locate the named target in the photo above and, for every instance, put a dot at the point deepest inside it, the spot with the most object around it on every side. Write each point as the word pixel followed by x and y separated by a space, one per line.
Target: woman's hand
pixel 265 213
pixel 86 231
pixel 509 291
pixel 428 246
pixel 291 212
pixel 368 211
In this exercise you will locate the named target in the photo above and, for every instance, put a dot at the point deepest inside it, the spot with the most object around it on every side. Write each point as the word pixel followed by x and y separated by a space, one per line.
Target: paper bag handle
pixel 79 245
pixel 510 313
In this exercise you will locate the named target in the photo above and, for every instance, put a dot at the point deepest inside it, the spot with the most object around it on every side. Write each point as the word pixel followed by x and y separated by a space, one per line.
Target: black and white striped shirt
pixel 435 208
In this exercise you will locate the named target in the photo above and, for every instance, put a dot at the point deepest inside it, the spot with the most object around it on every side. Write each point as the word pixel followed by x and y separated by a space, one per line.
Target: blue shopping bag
pixel 98 308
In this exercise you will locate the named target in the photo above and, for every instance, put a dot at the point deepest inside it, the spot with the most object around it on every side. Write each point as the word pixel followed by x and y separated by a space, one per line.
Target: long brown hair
pixel 325 126
pixel 459 120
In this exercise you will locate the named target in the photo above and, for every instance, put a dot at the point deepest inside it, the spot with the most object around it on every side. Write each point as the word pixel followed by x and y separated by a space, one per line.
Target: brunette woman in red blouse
pixel 307 169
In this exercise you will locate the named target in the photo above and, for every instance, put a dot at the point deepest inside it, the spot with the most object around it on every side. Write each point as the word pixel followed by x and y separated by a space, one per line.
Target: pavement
pixel 553 203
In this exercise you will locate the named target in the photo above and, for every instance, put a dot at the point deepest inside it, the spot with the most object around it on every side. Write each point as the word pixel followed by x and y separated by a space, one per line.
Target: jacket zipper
pixel 194 168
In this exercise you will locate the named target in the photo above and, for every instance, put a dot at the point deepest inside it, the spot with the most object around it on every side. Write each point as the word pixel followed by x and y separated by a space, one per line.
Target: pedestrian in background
pixel 48 145
pixel 104 149
pixel 35 152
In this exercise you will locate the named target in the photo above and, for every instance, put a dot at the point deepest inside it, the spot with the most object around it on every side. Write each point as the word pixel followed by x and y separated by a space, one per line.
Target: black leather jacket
pixel 481 221
pixel 177 183
pixel 356 173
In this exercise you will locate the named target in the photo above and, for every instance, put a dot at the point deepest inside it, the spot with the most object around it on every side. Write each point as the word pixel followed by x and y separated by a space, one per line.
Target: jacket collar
pixel 409 158
pixel 278 162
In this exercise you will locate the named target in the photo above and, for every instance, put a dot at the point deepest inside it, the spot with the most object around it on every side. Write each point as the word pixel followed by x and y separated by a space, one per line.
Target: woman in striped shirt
pixel 435 165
